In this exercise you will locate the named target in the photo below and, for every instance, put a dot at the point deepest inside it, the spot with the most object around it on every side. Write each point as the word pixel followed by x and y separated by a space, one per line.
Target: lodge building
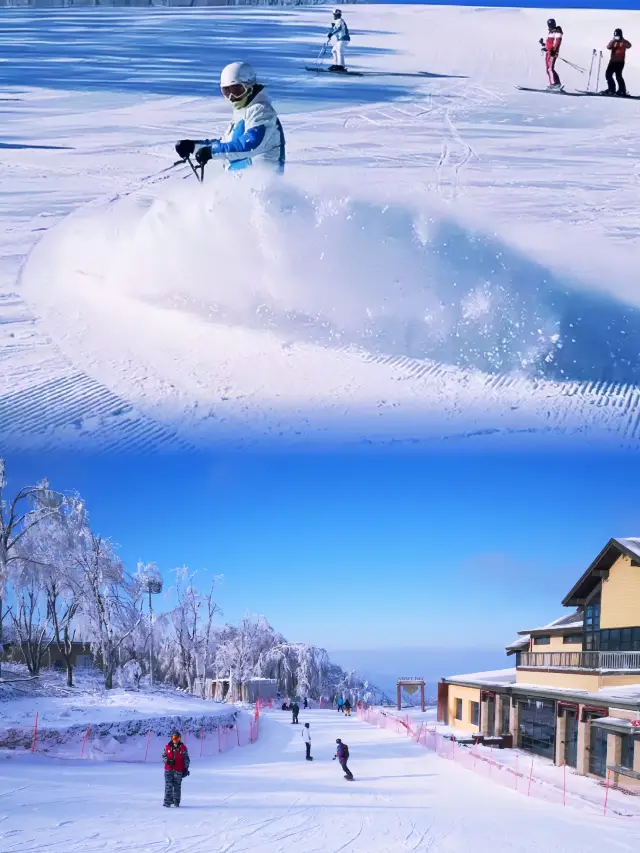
pixel 574 694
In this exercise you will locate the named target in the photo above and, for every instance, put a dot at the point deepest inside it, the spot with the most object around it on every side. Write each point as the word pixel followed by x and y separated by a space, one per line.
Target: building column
pixel 484 717
pixel 561 735
pixel 582 763
pixel 514 719
pixel 501 700
pixel 399 698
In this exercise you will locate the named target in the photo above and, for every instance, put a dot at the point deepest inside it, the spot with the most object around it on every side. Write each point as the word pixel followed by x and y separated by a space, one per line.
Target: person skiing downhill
pixel 340 31
pixel 176 766
pixel 306 737
pixel 618 47
pixel 295 710
pixel 551 49
pixel 347 708
pixel 342 754
pixel 255 132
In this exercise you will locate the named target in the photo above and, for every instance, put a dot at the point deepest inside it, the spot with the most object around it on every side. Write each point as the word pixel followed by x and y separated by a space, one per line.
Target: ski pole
pixel 593 56
pixel 598 77
pixel 573 65
pixel 320 58
pixel 199 177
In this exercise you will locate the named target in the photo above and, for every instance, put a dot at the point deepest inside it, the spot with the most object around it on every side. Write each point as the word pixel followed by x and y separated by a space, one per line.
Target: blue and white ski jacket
pixel 255 133
pixel 340 30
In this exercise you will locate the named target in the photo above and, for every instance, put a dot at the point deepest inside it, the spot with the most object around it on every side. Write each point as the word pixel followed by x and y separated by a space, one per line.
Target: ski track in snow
pixel 468 141
pixel 404 798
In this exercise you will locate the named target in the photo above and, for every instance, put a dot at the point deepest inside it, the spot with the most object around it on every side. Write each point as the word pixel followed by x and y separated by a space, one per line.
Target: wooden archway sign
pixel 414 682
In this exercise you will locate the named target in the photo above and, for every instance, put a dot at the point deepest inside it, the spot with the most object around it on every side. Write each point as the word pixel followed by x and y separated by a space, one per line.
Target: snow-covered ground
pixel 268 798
pixel 445 257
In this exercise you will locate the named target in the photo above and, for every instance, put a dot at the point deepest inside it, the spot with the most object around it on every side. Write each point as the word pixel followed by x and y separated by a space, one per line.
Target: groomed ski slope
pixel 266 798
pixel 447 257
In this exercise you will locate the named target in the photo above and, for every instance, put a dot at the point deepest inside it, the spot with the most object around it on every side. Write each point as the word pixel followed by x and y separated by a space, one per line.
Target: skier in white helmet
pixel 255 133
pixel 340 31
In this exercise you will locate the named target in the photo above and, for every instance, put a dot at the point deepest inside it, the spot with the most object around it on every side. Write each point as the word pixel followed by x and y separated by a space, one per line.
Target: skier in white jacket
pixel 340 31
pixel 306 737
pixel 255 133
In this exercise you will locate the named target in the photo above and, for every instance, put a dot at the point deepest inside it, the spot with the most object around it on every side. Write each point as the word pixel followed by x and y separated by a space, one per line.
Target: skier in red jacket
pixel 176 767
pixel 551 50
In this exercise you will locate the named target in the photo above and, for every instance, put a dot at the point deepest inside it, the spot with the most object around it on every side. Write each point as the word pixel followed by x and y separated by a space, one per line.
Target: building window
pixel 475 713
pixel 628 751
pixel 541 641
pixel 572 638
pixel 537 726
pixel 458 709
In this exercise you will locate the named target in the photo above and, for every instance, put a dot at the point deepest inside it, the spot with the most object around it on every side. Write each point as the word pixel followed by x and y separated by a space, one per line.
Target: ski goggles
pixel 234 92
pixel 175 737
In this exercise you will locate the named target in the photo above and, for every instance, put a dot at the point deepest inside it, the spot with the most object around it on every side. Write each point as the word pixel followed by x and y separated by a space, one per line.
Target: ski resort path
pixel 268 798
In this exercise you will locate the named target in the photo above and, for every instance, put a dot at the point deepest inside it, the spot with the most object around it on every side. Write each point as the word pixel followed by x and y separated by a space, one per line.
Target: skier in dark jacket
pixel 347 708
pixel 342 754
pixel 618 47
pixel 176 767
pixel 295 710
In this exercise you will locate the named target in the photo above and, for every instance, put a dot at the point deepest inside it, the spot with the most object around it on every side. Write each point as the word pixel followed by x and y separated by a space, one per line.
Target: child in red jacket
pixel 176 767
pixel 618 47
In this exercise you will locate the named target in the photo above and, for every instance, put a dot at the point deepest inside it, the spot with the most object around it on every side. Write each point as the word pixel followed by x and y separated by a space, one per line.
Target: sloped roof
pixel 518 644
pixel 570 621
pixel 599 567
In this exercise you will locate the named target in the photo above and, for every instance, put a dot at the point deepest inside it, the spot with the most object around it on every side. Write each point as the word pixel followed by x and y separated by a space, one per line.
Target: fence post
pixel 530 776
pixel 517 774
pixel 237 732
pixel 564 784
pixel 606 793
pixel 86 735
pixel 201 740
pixel 35 734
pixel 184 735
pixel 146 752
pixel 219 747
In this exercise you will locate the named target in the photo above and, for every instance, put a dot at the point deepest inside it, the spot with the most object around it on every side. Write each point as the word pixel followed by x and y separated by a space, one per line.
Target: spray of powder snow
pixel 336 271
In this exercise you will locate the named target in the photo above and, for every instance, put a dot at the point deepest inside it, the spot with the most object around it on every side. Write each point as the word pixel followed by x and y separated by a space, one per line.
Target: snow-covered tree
pixel 110 600
pixel 18 516
pixel 300 669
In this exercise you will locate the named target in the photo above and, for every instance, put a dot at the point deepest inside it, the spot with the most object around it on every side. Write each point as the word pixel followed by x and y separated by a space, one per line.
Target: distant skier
pixel 176 767
pixel 618 47
pixel 342 754
pixel 295 710
pixel 255 133
pixel 340 704
pixel 347 708
pixel 340 31
pixel 306 737
pixel 305 704
pixel 551 49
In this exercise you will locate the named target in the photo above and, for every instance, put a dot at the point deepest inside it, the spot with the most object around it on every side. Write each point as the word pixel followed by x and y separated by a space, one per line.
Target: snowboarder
pixel 618 47
pixel 255 133
pixel 340 704
pixel 347 708
pixel 295 710
pixel 306 737
pixel 285 707
pixel 551 49
pixel 176 767
pixel 340 30
pixel 342 754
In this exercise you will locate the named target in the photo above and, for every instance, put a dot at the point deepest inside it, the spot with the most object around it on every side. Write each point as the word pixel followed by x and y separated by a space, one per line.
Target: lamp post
pixel 153 586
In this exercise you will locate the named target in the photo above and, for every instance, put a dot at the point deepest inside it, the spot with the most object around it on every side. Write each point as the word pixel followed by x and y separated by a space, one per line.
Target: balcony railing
pixel 618 661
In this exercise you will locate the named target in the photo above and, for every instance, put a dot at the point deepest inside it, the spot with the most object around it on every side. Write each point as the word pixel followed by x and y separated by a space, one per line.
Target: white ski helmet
pixel 237 72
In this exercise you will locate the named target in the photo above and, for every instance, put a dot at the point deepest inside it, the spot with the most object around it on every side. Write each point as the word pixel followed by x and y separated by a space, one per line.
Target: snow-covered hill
pixel 446 256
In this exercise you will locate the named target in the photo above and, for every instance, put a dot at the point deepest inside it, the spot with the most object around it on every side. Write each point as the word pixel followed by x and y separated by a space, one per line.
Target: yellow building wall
pixel 555 645
pixel 620 605
pixel 619 680
pixel 468 695
pixel 577 680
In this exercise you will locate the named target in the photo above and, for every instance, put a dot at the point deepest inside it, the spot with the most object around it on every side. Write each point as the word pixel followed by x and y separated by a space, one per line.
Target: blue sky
pixel 365 550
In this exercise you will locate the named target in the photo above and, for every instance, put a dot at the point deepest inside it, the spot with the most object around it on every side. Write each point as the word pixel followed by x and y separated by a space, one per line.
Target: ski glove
pixel 204 155
pixel 185 148
pixel 185 773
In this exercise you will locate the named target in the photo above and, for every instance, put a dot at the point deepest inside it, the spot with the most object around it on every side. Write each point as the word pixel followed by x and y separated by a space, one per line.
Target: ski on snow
pixel 334 73
pixel 579 93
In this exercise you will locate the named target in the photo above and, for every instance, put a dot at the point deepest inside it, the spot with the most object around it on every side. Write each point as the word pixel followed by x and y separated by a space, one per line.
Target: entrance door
pixel 598 752
pixel 571 737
